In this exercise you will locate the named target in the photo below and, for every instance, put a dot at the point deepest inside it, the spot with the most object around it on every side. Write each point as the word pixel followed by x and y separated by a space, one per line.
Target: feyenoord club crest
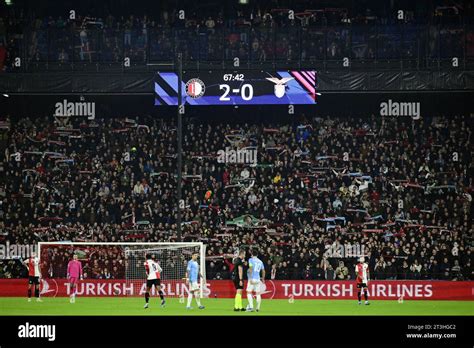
pixel 195 88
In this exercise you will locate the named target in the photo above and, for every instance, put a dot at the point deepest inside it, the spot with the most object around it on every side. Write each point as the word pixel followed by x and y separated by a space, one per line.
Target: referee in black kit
pixel 238 278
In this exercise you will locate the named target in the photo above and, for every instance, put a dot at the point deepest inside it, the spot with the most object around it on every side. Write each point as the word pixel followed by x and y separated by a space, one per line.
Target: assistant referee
pixel 238 279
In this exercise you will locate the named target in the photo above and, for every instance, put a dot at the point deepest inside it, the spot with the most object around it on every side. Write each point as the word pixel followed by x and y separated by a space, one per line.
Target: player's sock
pixel 259 301
pixel 236 301
pixel 198 299
pixel 250 298
pixel 366 296
pixel 29 293
pixel 147 297
pixel 240 306
pixel 359 296
pixel 190 298
pixel 161 295
pixel 37 292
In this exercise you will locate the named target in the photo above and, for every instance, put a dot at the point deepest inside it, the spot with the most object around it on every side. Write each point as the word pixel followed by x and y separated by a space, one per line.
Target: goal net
pixel 120 266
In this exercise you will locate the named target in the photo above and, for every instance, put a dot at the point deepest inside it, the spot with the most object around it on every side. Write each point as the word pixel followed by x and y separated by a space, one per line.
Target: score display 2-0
pixel 237 88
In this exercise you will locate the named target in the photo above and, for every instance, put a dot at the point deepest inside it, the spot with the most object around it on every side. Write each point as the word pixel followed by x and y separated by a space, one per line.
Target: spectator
pixel 391 271
pixel 273 272
pixel 284 273
pixel 210 24
pixel 467 272
pixel 434 269
pixel 127 33
pixel 3 33
pixel 403 271
pixel 444 269
pixel 424 274
pixel 329 274
pixel 456 273
pixel 3 56
pixel 319 273
pixel 342 272
pixel 63 56
pixel 307 273
pixel 379 269
pixel 415 270
pixel 83 36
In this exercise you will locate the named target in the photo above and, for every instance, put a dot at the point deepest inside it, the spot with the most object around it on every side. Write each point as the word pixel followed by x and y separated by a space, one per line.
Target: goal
pixel 123 264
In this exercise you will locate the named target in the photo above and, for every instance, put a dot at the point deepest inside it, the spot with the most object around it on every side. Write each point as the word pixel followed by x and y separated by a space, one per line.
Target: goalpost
pixel 125 262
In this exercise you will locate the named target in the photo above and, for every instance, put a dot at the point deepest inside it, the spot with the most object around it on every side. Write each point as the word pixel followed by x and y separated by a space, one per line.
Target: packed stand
pixel 317 192
pixel 257 33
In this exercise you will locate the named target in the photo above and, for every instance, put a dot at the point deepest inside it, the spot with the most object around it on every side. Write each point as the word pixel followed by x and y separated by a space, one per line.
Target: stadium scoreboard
pixel 237 88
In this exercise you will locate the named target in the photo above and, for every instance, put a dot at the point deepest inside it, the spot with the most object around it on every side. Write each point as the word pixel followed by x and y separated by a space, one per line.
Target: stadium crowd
pixel 320 191
pixel 258 33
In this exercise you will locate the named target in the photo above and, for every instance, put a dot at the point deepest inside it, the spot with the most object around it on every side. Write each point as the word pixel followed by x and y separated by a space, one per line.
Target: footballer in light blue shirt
pixel 192 275
pixel 256 280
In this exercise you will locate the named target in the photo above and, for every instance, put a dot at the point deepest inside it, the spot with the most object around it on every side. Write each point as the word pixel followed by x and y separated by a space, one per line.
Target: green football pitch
pixel 134 306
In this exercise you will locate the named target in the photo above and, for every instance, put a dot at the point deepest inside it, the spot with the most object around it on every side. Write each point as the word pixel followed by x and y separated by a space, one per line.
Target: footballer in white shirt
pixel 153 278
pixel 362 279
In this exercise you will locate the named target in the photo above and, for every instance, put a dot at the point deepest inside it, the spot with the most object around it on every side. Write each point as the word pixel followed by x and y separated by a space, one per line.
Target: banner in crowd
pixel 272 289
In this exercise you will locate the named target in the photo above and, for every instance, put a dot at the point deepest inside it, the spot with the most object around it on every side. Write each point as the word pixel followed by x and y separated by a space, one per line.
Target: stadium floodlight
pixel 243 2
pixel 130 258
pixel 5 95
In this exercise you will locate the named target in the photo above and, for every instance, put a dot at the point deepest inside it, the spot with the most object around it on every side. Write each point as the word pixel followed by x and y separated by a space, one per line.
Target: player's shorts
pixel 193 286
pixel 33 280
pixel 151 282
pixel 361 285
pixel 237 284
pixel 73 280
pixel 254 285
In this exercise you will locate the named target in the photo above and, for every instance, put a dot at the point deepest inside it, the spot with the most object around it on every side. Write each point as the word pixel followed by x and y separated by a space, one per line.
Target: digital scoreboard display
pixel 237 88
